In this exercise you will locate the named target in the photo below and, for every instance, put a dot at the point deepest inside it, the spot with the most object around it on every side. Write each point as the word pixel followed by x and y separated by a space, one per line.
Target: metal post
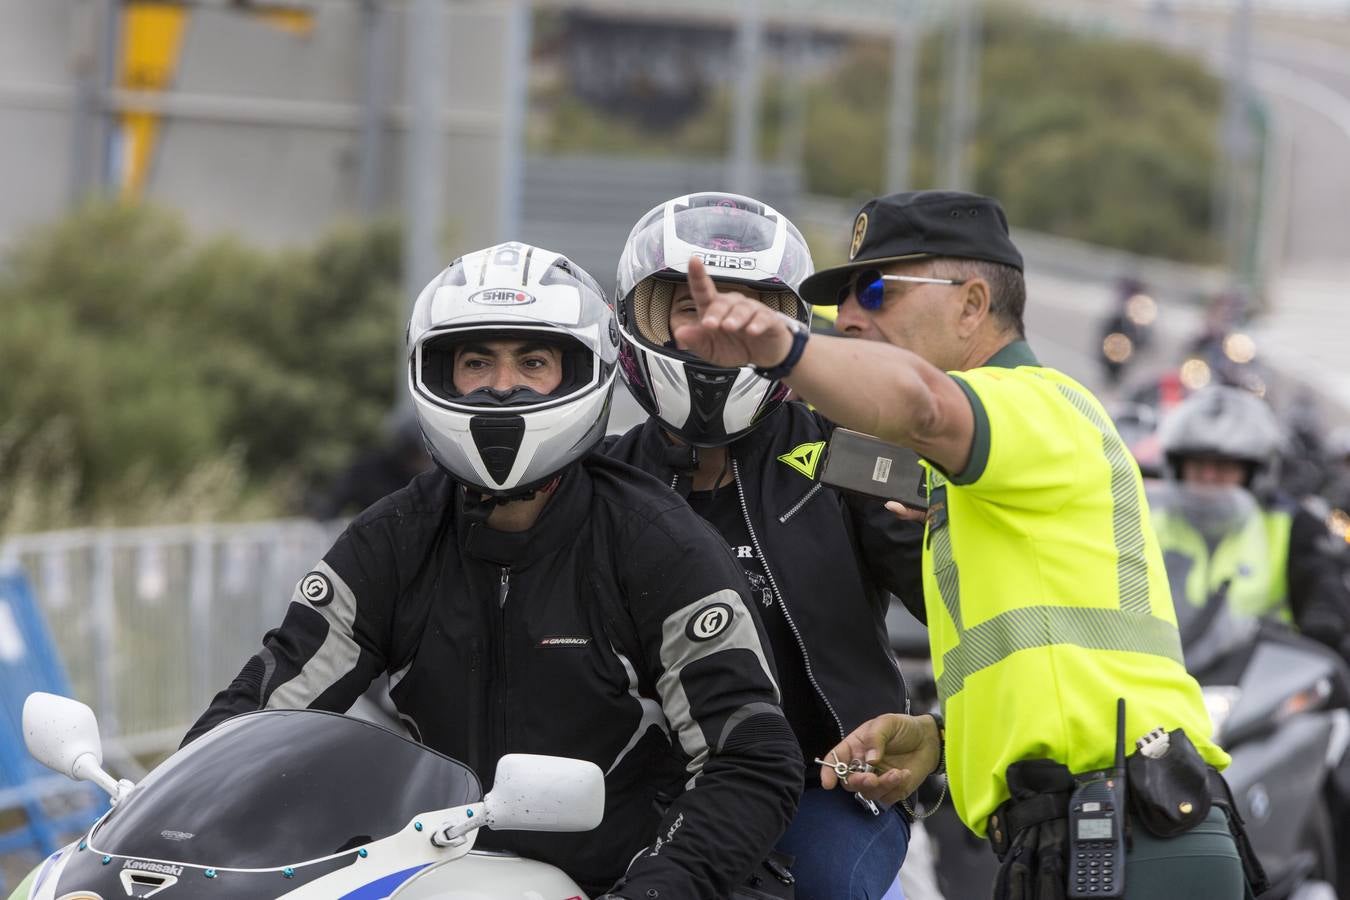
pixel 109 58
pixel 904 64
pixel 963 85
pixel 84 124
pixel 792 137
pixel 1237 143
pixel 104 617
pixel 371 154
pixel 745 109
pixel 516 84
pixel 200 590
pixel 424 162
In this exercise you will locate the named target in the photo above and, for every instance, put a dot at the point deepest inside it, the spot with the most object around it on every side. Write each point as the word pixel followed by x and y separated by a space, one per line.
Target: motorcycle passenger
pixel 820 564
pixel 1226 437
pixel 530 595
pixel 1045 589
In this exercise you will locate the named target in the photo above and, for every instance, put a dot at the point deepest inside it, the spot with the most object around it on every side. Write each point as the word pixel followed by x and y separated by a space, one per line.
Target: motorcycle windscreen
pixel 279 787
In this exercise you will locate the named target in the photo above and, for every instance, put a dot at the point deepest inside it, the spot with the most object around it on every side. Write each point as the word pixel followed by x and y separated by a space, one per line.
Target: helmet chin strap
pixel 478 506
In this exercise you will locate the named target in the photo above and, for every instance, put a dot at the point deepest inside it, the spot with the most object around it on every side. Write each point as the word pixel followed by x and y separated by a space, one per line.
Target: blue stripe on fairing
pixel 47 868
pixel 382 887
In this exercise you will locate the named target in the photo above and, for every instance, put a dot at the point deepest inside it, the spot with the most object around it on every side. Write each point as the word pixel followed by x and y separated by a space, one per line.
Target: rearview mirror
pixel 62 734
pixel 545 793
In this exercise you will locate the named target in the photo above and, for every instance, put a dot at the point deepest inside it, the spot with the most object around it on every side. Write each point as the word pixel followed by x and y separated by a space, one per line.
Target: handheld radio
pixel 1097 827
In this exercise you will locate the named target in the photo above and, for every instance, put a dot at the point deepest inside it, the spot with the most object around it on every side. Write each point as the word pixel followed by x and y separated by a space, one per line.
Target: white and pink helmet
pixel 740 240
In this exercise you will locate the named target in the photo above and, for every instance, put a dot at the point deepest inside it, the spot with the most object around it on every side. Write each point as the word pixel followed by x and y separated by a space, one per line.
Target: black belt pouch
pixel 1173 793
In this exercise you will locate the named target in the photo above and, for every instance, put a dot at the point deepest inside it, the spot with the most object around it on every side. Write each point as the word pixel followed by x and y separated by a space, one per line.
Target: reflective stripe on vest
pixel 1129 627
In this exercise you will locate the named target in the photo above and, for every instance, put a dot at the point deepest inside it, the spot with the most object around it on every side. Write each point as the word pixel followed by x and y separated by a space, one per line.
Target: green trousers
pixel 1201 864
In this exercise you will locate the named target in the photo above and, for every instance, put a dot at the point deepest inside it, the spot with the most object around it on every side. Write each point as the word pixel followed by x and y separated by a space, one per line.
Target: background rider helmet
pixel 509 440
pixel 1218 429
pixel 743 242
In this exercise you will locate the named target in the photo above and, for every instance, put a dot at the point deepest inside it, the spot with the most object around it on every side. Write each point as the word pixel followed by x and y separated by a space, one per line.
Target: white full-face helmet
pixel 508 443
pixel 739 240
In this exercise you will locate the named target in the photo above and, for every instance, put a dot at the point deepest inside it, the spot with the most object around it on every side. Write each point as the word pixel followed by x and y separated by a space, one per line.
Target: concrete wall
pixel 262 127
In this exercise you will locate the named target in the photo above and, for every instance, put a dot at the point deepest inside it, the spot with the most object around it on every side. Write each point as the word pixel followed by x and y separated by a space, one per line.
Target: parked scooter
pixel 1278 701
pixel 304 804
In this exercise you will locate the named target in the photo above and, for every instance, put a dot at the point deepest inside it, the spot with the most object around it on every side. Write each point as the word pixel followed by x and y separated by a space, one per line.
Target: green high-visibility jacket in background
pixel 1248 565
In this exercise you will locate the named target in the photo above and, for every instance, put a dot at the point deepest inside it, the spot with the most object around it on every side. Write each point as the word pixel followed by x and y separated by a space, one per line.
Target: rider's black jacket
pixel 616 629
pixel 831 558
pixel 1317 593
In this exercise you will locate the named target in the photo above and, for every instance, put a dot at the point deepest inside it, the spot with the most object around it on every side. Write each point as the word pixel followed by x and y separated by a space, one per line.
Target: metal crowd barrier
pixel 151 622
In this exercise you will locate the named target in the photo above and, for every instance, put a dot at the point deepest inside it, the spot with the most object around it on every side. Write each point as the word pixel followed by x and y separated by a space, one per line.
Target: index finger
pixel 704 290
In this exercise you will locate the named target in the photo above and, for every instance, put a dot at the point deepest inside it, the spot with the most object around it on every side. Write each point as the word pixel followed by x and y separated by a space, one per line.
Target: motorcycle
pixel 1278 701
pixel 304 804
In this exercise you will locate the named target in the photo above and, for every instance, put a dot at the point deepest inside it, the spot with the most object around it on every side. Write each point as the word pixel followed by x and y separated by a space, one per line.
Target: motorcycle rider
pixel 1337 486
pixel 820 564
pixel 1225 436
pixel 529 595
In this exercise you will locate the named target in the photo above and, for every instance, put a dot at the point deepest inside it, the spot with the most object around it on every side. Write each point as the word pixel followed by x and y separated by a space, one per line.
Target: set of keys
pixel 845 769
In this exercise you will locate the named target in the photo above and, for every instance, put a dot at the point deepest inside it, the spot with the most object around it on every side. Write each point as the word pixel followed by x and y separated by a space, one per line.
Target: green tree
pixel 143 367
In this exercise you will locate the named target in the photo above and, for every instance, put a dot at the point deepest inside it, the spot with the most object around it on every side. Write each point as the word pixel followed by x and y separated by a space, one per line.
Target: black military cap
pixel 914 225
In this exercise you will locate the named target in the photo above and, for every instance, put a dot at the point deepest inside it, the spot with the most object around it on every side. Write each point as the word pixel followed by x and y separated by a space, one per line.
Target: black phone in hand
pixel 864 464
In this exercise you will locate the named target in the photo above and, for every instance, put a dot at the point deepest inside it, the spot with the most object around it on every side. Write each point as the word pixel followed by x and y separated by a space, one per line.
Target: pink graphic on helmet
pixel 727 245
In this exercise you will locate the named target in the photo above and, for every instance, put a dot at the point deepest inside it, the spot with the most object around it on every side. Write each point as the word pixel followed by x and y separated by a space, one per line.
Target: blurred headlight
pixel 1117 347
pixel 1195 374
pixel 1141 309
pixel 1239 348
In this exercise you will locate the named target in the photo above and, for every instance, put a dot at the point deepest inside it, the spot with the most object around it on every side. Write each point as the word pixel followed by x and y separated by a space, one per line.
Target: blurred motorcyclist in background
pixel 375 473
pixel 1127 328
pixel 1225 437
pixel 1336 489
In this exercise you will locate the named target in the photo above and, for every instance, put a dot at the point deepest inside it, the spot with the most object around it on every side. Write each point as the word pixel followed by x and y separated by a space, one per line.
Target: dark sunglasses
pixel 870 286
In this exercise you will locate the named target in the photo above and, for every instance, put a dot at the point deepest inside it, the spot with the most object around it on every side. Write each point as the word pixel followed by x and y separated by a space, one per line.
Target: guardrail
pixel 151 622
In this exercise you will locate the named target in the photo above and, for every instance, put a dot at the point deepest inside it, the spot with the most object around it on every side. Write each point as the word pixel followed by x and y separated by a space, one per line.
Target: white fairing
pixel 490 876
pixel 514 290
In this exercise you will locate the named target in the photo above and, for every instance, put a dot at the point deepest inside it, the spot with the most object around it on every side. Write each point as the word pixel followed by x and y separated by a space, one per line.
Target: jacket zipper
pixel 782 520
pixel 778 595
pixel 500 687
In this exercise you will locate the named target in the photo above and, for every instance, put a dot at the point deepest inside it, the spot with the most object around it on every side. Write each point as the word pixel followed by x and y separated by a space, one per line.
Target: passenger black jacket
pixel 831 558
pixel 615 630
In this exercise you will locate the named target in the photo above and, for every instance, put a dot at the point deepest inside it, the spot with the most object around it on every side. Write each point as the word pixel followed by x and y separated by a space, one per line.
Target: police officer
pixel 1046 594
pixel 1226 437
pixel 819 564
pixel 529 595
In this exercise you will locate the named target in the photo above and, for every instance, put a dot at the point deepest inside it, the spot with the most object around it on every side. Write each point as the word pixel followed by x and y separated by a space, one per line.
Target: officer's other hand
pixel 904 512
pixel 903 749
pixel 733 330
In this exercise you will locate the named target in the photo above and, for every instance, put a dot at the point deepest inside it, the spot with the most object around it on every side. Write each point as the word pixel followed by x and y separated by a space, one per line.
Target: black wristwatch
pixel 800 332
pixel 942 743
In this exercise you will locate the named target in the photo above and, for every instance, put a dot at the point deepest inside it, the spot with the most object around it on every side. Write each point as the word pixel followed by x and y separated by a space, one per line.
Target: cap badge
pixel 859 232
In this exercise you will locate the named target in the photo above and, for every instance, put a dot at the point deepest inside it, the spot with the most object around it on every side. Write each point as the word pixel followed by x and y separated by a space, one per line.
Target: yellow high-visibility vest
pixel 1045 590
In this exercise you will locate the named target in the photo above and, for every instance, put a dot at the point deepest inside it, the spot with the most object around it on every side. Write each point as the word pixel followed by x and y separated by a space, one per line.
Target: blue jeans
pixel 842 851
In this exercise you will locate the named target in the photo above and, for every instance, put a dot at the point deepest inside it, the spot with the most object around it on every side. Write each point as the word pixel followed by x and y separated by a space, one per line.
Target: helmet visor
pixel 493 368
